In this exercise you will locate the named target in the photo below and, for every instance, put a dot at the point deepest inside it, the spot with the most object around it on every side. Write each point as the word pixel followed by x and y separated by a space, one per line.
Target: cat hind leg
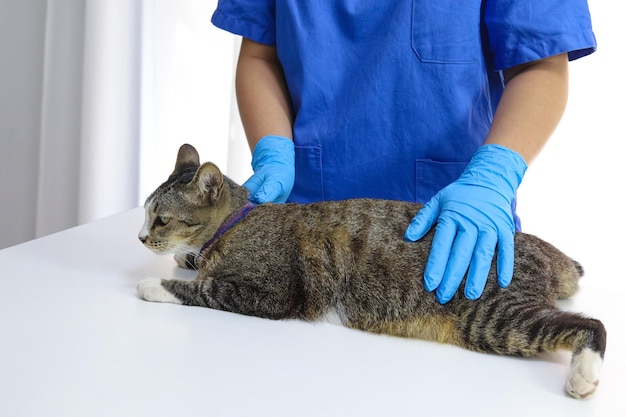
pixel 529 329
pixel 584 373
pixel 584 337
pixel 150 289
pixel 587 340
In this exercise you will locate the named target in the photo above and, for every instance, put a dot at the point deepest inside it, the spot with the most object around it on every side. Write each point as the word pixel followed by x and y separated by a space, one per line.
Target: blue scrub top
pixel 393 97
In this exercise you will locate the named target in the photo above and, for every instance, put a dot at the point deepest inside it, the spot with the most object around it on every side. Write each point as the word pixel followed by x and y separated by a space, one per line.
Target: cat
pixel 347 262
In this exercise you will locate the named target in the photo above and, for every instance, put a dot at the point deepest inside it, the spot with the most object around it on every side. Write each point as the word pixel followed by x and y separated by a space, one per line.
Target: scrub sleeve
pixel 393 97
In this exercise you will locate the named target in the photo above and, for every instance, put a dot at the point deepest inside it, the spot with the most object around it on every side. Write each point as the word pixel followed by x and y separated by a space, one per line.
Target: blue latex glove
pixel 273 163
pixel 473 214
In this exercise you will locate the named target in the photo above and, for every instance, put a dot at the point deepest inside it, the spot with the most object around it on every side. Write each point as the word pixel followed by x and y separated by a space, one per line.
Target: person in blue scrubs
pixel 439 102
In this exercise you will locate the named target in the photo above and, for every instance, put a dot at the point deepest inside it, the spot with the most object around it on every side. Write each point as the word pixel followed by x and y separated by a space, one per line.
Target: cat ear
pixel 209 182
pixel 187 157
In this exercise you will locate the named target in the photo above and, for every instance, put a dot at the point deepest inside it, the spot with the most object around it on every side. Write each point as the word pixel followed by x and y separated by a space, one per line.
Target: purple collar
pixel 226 226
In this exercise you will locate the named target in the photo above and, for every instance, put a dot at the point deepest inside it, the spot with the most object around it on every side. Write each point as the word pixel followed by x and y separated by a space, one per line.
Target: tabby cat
pixel 347 261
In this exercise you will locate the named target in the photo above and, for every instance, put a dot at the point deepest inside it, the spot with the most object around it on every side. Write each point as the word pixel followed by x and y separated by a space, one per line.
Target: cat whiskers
pixel 189 254
pixel 199 256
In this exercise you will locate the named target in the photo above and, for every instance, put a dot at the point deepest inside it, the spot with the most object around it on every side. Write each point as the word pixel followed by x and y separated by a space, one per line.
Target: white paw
pixel 150 289
pixel 584 374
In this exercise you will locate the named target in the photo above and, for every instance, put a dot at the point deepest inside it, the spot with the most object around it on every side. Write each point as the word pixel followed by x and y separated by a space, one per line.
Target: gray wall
pixel 22 30
pixel 41 73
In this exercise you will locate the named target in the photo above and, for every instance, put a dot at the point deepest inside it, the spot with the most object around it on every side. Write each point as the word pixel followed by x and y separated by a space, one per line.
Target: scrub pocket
pixel 446 31
pixel 431 176
pixel 308 186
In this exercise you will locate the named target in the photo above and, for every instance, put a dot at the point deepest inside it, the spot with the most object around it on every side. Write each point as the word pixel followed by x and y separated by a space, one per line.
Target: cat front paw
pixel 150 289
pixel 584 374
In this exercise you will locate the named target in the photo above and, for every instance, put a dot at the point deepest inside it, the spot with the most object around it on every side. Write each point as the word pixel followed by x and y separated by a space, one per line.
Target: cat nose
pixel 143 238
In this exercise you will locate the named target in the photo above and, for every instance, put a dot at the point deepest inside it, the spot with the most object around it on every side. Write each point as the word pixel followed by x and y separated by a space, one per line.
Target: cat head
pixel 184 212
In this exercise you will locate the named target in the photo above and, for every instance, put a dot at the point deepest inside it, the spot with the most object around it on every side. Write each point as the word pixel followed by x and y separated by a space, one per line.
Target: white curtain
pixel 97 96
pixel 89 140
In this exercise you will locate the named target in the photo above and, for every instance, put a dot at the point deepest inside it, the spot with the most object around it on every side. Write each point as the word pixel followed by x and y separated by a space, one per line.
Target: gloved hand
pixel 273 163
pixel 473 214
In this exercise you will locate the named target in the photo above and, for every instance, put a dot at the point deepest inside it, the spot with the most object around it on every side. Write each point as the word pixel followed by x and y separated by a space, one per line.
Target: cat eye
pixel 161 221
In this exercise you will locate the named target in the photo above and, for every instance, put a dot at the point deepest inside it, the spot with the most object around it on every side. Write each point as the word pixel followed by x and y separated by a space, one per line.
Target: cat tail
pixel 569 280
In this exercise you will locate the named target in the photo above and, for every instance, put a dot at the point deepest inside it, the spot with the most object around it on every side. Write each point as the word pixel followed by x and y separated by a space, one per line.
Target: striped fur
pixel 348 260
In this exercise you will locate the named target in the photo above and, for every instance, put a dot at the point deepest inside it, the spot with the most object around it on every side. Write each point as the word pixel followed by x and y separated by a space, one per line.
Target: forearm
pixel 262 94
pixel 531 106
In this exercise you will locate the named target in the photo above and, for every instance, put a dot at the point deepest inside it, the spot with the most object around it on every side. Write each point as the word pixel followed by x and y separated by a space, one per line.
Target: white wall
pixel 573 194
pixel 187 90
